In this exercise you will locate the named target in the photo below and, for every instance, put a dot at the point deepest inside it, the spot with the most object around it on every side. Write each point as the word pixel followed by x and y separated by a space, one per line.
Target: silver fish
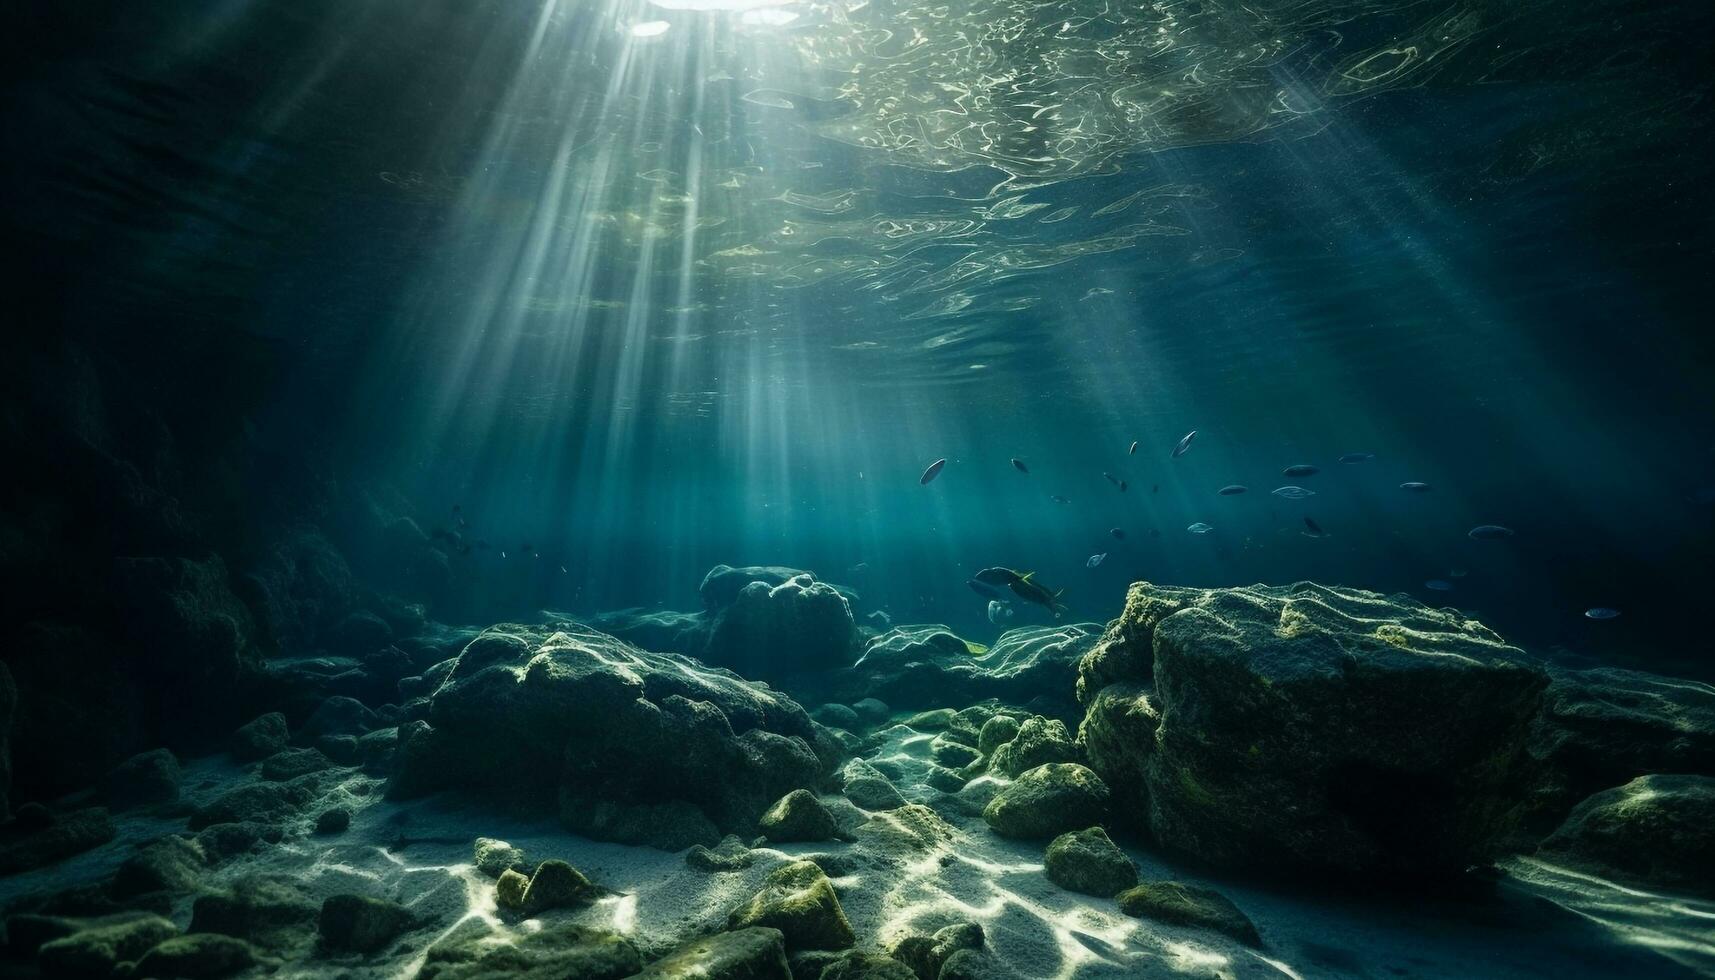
pixel 1232 490
pixel 1490 532
pixel 1200 528
pixel 1184 444
pixel 1095 560
pixel 932 472
pixel 1133 450
pixel 1018 464
pixel 1351 458
pixel 1302 469
pixel 1292 493
pixel 1415 487
pixel 1601 612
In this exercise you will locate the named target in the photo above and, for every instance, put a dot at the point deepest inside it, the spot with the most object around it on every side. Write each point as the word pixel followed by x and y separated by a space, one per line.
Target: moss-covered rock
pixel 492 857
pixel 798 816
pixel 171 864
pixel 952 754
pixel 200 956
pixel 266 911
pixel 743 954
pixel 144 779
pixel 25 845
pixel 926 955
pixel 292 763
pixel 912 826
pixel 799 900
pixel 1306 727
pixel 933 720
pixel 265 803
pixel 1038 742
pixel 944 779
pixel 1657 831
pixel 359 923
pixel 509 889
pixel 1118 735
pixel 729 855
pixel 1088 861
pixel 838 716
pixel 869 788
pixel 1176 903
pixel 260 737
pixel 777 629
pixel 862 965
pixel 925 666
pixel 1047 801
pixel 98 950
pixel 556 885
pixel 996 732
pixel 473 952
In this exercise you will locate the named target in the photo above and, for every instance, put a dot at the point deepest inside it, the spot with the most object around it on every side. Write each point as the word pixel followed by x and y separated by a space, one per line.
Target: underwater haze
pixel 1019 359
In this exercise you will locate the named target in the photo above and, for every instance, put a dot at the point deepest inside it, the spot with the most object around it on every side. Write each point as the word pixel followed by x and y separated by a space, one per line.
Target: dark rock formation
pixel 98 950
pixel 1188 905
pixel 780 630
pixel 25 845
pixel 360 923
pixel 628 744
pixel 1087 861
pixel 1310 727
pixel 260 737
pixel 1037 742
pixel 143 779
pixel 926 955
pixel 926 666
pixel 1657 831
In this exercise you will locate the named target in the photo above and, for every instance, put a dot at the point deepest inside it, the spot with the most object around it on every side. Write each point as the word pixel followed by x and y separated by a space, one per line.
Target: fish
pixel 1313 529
pixel 999 612
pixel 1601 612
pixel 1058 499
pixel 931 473
pixel 1018 464
pixel 1301 469
pixel 1292 493
pixel 1415 487
pixel 1117 532
pixel 563 570
pixel 1437 585
pixel 1490 532
pixel 1095 560
pixel 1353 458
pixel 997 576
pixel 1200 528
pixel 859 568
pixel 1133 450
pixel 1231 490
pixel 1184 444
pixel 986 590
pixel 1040 594
pixel 1116 481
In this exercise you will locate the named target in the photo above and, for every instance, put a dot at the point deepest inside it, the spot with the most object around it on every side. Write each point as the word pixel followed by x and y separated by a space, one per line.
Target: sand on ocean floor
pixel 1541 922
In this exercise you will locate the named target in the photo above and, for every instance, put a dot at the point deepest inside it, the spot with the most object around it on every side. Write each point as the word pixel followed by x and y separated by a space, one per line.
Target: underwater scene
pixel 857 489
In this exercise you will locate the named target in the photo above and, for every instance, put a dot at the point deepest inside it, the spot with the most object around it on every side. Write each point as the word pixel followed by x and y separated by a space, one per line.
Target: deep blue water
pixel 648 302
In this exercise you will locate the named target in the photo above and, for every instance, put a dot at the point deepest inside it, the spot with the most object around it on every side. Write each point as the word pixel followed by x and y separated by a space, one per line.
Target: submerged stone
pixel 1037 742
pixel 742 954
pixel 361 924
pixel 201 956
pixel 266 911
pixel 98 950
pixel 144 779
pixel 1180 904
pixel 1658 831
pixel 866 786
pixel 1088 861
pixel 799 900
pixel 798 816
pixel 492 857
pixel 473 952
pixel 926 955
pixel 861 965
pixel 172 864
pixel 1048 800
pixel 729 855
pixel 555 885
pixel 997 731
pixel 26 845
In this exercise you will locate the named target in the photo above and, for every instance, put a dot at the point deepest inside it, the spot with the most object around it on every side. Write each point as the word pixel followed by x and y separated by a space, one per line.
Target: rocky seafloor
pixel 1294 781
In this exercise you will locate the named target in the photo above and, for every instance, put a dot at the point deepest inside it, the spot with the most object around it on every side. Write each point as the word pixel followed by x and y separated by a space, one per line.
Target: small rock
pixel 797 817
pixel 868 788
pixel 729 855
pixel 98 951
pixel 1047 801
pixel 342 749
pixel 972 964
pixel 494 857
pixel 860 965
pixel 71 833
pixel 171 864
pixel 266 911
pixel 229 840
pixel 872 712
pixel 913 826
pixel 945 780
pixel 1088 861
pixel 292 763
pixel 931 721
pixel 264 803
pixel 741 954
pixel 925 955
pixel 335 820
pixel 1180 904
pixel 196 957
pixel 952 754
pixel 150 777
pixel 564 951
pixel 799 900
pixel 361 924
pixel 556 885
pixel 509 889
pixel 260 738
pixel 1038 742
pixel 838 716
pixel 996 732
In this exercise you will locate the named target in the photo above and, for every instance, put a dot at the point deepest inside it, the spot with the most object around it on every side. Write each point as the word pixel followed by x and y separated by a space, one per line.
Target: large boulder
pixel 927 666
pixel 1049 800
pixel 800 625
pixel 609 734
pixel 1657 831
pixel 723 583
pixel 1088 861
pixel 1303 726
pixel 1599 728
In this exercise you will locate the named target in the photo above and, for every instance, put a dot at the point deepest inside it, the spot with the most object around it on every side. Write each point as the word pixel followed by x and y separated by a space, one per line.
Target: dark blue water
pixel 638 303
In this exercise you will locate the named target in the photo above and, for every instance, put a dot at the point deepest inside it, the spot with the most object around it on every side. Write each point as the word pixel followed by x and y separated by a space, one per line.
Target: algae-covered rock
pixel 1088 861
pixel 743 954
pixel 270 912
pixel 798 816
pixel 1037 742
pixel 257 803
pixel 861 965
pixel 912 826
pixel 1117 735
pixel 1658 831
pixel 260 737
pixel 509 889
pixel 838 716
pixel 361 924
pixel 201 956
pixel 495 856
pixel 98 950
pixel 974 964
pixel 24 845
pixel 933 720
pixel 556 885
pixel 799 900
pixel 144 779
pixel 996 732
pixel 926 955
pixel 472 952
pixel 729 855
pixel 1600 728
pixel 1312 727
pixel 1180 904
pixel 292 763
pixel 866 786
pixel 172 864
pixel 1047 801
pixel 926 666
pixel 628 745
pixel 944 779
pixel 662 630
pixel 792 627
pixel 952 754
